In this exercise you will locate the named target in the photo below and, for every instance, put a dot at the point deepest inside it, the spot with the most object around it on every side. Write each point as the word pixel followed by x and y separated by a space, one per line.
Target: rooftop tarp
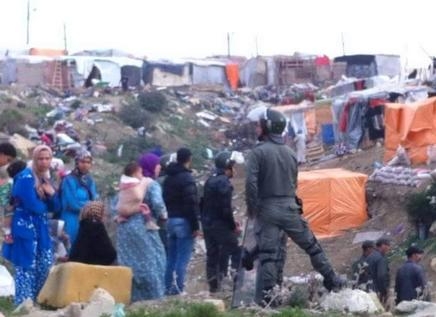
pixel 412 126
pixel 334 200
pixel 47 52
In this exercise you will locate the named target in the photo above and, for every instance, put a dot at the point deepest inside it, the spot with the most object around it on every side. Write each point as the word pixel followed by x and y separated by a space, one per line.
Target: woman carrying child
pixel 138 243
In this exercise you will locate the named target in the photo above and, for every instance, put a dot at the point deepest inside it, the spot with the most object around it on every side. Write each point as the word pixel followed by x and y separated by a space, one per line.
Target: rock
pixel 65 283
pixel 422 309
pixel 24 308
pixel 376 301
pixel 7 287
pixel 73 310
pixel 353 301
pixel 218 303
pixel 432 229
pixel 433 264
pixel 407 307
pixel 100 295
pixel 387 314
pixel 101 305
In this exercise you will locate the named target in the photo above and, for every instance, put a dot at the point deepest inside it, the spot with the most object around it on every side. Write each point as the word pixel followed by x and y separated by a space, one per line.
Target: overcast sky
pixel 197 28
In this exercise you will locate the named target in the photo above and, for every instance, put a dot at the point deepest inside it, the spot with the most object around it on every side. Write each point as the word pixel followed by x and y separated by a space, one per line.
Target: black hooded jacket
pixel 180 194
pixel 217 201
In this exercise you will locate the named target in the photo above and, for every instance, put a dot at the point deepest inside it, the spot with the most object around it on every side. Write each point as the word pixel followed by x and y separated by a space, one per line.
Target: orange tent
pixel 232 72
pixel 47 52
pixel 412 126
pixel 333 200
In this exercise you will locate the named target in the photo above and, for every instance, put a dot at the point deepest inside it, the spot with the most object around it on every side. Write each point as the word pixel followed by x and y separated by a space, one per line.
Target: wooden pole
pixel 28 23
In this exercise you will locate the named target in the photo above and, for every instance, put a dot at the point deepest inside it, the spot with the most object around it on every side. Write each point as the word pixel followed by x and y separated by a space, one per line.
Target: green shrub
pixel 6 305
pixel 292 312
pixel 299 297
pixel 135 116
pixel 179 310
pixel 11 121
pixel 153 101
pixel 131 148
pixel 419 209
pixel 76 104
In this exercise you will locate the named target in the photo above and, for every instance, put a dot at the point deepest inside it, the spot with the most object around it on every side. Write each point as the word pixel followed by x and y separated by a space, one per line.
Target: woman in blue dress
pixel 141 249
pixel 30 252
pixel 77 188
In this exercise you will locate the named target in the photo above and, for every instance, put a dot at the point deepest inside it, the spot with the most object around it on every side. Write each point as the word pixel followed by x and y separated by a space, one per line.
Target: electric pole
pixel 28 23
pixel 65 38
pixel 228 44
pixel 343 43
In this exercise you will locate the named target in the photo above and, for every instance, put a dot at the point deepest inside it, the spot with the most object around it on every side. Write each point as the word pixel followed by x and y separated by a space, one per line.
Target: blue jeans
pixel 180 245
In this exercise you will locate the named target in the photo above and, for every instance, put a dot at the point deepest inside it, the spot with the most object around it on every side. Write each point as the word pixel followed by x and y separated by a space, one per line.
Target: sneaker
pixel 150 225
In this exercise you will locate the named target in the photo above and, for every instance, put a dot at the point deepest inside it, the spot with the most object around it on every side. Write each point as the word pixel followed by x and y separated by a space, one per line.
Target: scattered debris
pixel 368 235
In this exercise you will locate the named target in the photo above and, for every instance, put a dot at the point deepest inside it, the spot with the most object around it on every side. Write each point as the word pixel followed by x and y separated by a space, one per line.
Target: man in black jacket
pixel 181 200
pixel 379 269
pixel 410 281
pixel 219 227
pixel 360 268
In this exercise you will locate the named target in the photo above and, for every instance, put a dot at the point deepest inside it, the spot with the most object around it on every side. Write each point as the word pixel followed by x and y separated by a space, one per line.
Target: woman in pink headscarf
pixel 148 266
pixel 31 250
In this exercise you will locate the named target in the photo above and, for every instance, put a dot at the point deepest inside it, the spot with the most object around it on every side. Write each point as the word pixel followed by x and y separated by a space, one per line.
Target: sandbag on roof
pixel 334 200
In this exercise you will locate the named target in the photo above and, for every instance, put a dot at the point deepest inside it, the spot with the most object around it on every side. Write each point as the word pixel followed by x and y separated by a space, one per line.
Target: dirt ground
pixel 386 209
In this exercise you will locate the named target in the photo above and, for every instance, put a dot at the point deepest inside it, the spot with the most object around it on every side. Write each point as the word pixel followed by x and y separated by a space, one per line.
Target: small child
pixel 132 190
pixel 13 169
pixel 60 240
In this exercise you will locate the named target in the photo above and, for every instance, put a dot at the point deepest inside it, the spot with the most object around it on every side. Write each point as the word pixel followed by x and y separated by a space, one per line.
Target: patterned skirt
pixel 144 253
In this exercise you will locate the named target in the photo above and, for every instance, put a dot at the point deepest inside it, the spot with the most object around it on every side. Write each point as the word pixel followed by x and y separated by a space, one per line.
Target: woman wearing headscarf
pixel 77 188
pixel 93 245
pixel 148 264
pixel 31 250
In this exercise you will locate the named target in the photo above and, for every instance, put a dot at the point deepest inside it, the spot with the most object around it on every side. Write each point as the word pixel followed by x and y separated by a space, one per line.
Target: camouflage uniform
pixel 271 180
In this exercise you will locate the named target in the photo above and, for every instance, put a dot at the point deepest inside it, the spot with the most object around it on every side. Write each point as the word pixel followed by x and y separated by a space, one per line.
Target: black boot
pixel 333 282
pixel 247 259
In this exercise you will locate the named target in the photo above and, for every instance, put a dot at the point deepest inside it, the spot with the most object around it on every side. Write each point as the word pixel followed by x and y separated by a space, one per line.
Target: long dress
pixel 76 190
pixel 31 250
pixel 142 250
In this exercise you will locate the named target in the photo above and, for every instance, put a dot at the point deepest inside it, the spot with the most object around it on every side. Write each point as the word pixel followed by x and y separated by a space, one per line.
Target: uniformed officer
pixel 271 181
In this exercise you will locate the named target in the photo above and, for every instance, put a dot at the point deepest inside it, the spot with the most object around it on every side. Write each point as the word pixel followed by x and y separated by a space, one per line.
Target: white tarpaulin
pixel 109 67
pixel 110 72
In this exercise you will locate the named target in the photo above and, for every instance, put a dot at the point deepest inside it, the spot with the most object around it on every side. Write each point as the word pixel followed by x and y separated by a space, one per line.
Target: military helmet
pixel 274 122
pixel 224 160
pixel 166 159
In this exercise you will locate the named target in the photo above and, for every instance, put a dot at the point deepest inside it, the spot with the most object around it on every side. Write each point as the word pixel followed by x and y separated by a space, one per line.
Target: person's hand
pixel 8 239
pixel 196 233
pixel 238 228
pixel 48 189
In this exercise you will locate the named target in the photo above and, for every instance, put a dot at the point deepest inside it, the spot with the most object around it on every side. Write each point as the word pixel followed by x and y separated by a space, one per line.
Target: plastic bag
pixel 431 154
pixel 7 285
pixel 119 311
pixel 401 158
